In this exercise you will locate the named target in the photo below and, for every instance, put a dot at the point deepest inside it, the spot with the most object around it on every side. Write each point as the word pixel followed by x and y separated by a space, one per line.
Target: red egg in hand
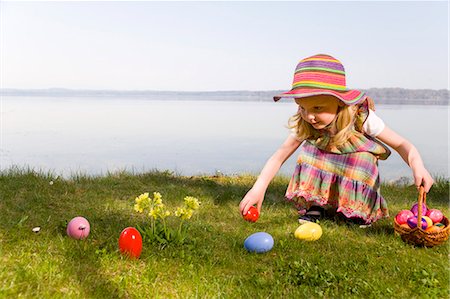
pixel 252 214
pixel 130 242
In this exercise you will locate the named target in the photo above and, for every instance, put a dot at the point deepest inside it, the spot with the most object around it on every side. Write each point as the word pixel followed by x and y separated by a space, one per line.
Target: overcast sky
pixel 205 46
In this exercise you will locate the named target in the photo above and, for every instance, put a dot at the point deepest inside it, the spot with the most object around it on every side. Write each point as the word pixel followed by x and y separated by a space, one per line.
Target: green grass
pixel 346 262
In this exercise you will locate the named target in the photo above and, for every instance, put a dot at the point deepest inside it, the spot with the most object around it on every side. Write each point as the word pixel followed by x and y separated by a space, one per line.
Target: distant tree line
pixel 379 95
pixel 409 96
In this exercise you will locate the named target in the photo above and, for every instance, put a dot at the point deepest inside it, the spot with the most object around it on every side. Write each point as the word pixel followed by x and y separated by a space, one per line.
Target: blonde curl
pixel 342 124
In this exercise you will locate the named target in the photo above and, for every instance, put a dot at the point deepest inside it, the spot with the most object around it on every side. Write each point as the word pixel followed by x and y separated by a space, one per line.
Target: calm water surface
pixel 96 135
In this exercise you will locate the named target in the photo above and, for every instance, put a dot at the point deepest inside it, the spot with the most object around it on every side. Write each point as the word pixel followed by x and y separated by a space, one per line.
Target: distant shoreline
pixel 395 96
pixel 402 180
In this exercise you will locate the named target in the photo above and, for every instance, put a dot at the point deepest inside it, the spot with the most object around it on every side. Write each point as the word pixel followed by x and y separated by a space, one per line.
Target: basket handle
pixel 421 200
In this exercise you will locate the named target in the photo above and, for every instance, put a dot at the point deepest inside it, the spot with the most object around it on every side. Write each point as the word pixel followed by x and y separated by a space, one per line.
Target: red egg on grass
pixel 252 214
pixel 130 242
pixel 403 215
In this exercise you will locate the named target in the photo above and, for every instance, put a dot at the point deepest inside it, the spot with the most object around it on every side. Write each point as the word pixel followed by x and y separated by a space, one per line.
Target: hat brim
pixel 349 97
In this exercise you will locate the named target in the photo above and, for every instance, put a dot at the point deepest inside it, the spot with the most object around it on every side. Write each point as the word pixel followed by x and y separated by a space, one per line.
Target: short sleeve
pixel 373 125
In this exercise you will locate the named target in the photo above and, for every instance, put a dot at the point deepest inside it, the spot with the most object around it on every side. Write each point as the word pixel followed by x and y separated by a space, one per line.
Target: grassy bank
pixel 346 262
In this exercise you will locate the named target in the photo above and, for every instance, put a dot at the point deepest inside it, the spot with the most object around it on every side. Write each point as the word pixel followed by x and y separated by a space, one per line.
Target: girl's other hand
pixel 250 199
pixel 423 178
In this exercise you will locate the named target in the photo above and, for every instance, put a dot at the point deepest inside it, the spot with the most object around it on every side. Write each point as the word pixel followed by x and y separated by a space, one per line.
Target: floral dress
pixel 343 178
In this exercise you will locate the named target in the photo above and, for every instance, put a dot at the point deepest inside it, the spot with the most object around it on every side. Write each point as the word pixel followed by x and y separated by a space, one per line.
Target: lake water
pixel 96 135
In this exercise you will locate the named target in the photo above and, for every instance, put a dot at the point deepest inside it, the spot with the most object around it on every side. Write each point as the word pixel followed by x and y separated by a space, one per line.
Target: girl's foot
pixel 313 214
pixel 353 221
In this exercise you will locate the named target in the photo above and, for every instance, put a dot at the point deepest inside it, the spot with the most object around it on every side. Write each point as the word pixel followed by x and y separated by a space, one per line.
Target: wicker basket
pixel 417 235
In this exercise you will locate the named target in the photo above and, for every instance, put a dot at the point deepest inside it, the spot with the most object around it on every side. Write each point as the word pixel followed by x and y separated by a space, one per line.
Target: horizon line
pixel 187 91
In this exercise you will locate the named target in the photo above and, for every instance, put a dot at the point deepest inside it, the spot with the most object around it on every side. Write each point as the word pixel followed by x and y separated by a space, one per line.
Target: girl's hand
pixel 251 198
pixel 423 178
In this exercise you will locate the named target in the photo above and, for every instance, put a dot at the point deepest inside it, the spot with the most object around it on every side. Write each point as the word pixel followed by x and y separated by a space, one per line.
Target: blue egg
pixel 259 242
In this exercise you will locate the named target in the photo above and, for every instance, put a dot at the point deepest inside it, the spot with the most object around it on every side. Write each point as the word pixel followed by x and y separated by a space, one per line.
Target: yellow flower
pixel 192 202
pixel 163 214
pixel 183 213
pixel 142 202
pixel 138 208
pixel 153 213
pixel 157 197
pixel 179 211
pixel 156 209
pixel 188 214
pixel 141 197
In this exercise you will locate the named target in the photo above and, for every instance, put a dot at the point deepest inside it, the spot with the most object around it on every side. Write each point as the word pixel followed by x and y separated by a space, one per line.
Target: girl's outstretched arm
pixel 256 194
pixel 410 155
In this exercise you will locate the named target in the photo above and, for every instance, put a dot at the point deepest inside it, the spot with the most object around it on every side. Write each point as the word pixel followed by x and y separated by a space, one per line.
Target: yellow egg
pixel 428 220
pixel 309 232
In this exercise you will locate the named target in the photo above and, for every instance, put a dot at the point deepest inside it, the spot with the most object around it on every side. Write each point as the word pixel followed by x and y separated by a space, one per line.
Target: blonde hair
pixel 343 124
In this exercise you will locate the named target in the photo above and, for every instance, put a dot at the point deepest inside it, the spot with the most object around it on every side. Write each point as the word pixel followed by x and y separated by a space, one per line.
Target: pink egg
pixel 415 209
pixel 435 215
pixel 403 216
pixel 78 228
pixel 412 222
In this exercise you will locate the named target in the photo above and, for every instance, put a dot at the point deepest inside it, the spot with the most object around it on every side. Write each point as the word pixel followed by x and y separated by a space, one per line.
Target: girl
pixel 340 139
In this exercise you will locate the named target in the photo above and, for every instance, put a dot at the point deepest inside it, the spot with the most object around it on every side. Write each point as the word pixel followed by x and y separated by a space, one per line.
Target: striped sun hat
pixel 321 75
